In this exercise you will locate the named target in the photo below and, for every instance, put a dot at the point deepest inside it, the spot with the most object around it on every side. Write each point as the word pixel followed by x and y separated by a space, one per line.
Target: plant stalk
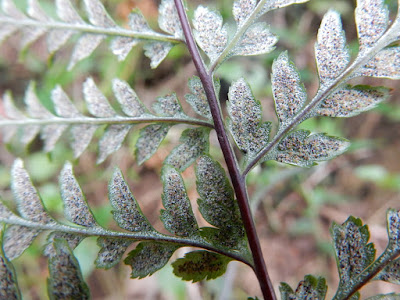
pixel 238 180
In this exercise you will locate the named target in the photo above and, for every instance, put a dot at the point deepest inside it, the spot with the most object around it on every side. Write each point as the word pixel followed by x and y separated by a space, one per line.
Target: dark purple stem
pixel 238 180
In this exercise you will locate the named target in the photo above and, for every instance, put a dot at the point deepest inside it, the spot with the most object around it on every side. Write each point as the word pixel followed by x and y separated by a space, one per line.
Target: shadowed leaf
pixel 149 257
pixel 177 216
pixel 311 288
pixel 150 138
pixel 112 140
pixel 200 265
pixel 111 251
pixel 385 297
pixel 65 279
pixel 157 51
pixel 198 99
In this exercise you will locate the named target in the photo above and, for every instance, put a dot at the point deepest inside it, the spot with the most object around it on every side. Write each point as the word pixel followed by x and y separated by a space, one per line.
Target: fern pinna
pixel 223 202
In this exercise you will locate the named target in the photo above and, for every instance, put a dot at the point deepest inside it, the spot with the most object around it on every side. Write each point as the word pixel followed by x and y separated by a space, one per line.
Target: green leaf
pixel 194 142
pixel 111 251
pixel 149 257
pixel 150 138
pixel 352 100
pixel 301 148
pixel 245 125
pixel 178 217
pixel 198 99
pixel 8 279
pixel 311 288
pixel 391 273
pixel 200 265
pixel 353 253
pixel 65 279
pixel 127 212
pixel 385 297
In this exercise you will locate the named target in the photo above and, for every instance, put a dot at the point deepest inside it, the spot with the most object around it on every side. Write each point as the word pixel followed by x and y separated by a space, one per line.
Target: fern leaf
pixel 127 98
pixel 76 208
pixel 275 4
pixel 149 257
pixel 168 19
pixel 353 254
pixel 301 148
pixel 385 297
pixel 255 41
pixel 198 99
pixel 194 142
pixel 126 212
pixel 311 288
pixel 200 265
pixel 393 227
pixel 150 138
pixel 210 35
pixel 386 64
pixel 65 279
pixel 8 280
pixel 352 100
pixel 288 91
pixel 391 273
pixel 17 239
pixel 177 215
pixel 372 18
pixel 245 124
pixel 242 9
pixel 168 106
pixel 157 51
pixel 111 252
pixel 331 52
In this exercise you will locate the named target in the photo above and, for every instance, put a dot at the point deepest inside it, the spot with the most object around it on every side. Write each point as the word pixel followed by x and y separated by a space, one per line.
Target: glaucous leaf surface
pixel 128 99
pixel 168 106
pixel 127 212
pixel 8 280
pixel 149 257
pixel 385 297
pixel 391 273
pixel 209 32
pixel 17 239
pixel 372 18
pixel 245 123
pixel 200 265
pixel 353 253
pixel 194 142
pixel 288 91
pixel 386 64
pixel 168 19
pixel 73 240
pixel 96 102
pixel 311 288
pixel 111 251
pixel 301 148
pixel 198 99
pixel 275 4
pixel 352 100
pixel 242 9
pixel 177 215
pixel 65 279
pixel 76 209
pixel 331 52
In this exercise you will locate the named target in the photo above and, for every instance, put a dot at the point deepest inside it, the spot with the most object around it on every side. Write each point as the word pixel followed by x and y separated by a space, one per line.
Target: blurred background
pixel 294 208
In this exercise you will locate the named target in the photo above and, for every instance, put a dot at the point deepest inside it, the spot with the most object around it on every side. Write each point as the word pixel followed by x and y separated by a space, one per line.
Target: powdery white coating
pixel 288 91
pixel 81 135
pixel 391 273
pixel 86 44
pixel 35 11
pixel 385 64
pixel 63 105
pixel 256 40
pixel 12 112
pixel 67 13
pixel 127 212
pixel 29 204
pixel 137 22
pixel 393 225
pixel 198 99
pixel 150 138
pixel 8 281
pixel 372 18
pixel 149 257
pixel 127 98
pixel 17 239
pixel 352 251
pixel 76 209
pixel 177 216
pixel 310 288
pixel 121 46
pixel 168 106
pixel 11 10
pixel 242 9
pixel 112 140
pixel 302 149
pixel 245 119
pixel 73 241
pixel 275 4
pixel 57 38
pixel 168 19
pixel 351 101
pixel 4 211
pixel 97 14
pixel 194 142
pixel 111 251
pixel 331 52
pixel 50 135
pixel 65 279
pixel 157 51
pixel 216 204
pixel 33 106
pixel 97 103
pixel 209 33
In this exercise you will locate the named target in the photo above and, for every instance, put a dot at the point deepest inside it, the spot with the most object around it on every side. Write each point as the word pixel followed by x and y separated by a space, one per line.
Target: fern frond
pixel 82 128
pixel 36 23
